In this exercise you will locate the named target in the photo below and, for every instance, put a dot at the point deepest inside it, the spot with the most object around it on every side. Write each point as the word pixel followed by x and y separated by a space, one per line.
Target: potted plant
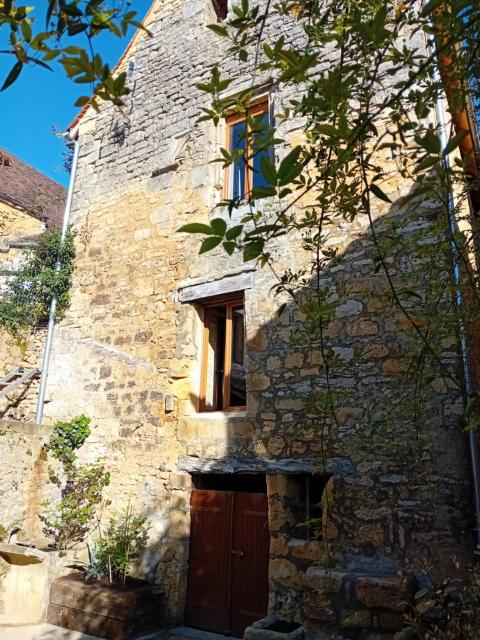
pixel 103 599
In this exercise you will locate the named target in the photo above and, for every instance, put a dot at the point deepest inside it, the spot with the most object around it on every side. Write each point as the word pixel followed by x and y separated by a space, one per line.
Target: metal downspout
pixel 457 276
pixel 53 305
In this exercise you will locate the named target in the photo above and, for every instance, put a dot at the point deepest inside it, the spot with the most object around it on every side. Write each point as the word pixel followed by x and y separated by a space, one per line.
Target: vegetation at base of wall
pixel 121 546
pixel 71 520
pixel 450 611
pixel 25 302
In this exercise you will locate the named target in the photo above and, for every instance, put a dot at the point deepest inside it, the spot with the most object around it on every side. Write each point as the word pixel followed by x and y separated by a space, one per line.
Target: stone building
pixel 29 203
pixel 199 397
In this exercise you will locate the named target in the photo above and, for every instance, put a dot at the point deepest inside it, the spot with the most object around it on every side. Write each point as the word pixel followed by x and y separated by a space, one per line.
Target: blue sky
pixel 40 99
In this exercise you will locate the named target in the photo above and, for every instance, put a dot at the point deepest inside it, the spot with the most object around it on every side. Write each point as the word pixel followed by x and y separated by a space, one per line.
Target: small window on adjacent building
pixel 223 358
pixel 221 9
pixel 305 502
pixel 247 138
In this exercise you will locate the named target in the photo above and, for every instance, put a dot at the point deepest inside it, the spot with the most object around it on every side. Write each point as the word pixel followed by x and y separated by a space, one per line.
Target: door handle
pixel 237 552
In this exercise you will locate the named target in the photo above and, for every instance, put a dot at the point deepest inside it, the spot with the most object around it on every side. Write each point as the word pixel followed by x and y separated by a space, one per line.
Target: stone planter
pixel 25 577
pixel 111 611
pixel 271 628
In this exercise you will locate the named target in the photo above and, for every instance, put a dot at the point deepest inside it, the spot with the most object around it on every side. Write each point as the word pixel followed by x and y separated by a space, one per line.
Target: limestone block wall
pixel 398 493
pixel 24 481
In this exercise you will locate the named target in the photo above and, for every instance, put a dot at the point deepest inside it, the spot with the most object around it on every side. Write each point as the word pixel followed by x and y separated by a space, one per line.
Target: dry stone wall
pixel 398 494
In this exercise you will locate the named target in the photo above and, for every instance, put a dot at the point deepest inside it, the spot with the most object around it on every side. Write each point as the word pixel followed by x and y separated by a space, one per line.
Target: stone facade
pixel 129 347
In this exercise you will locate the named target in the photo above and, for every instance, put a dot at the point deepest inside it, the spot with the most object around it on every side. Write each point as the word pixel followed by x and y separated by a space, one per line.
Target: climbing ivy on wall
pixel 25 302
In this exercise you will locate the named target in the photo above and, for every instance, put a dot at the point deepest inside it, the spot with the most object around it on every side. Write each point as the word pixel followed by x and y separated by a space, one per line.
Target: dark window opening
pixel 221 9
pixel 223 359
pixel 306 503
pixel 237 482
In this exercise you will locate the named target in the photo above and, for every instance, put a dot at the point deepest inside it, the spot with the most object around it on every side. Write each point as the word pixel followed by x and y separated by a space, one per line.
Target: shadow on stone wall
pixel 391 441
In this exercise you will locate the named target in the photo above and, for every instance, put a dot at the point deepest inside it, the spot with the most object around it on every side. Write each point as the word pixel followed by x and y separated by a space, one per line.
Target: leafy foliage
pixel 69 522
pixel 121 546
pixel 449 612
pixel 67 437
pixel 25 303
pixel 32 46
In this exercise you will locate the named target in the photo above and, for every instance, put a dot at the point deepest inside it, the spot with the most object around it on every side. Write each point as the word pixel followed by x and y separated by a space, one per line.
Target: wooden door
pixel 228 567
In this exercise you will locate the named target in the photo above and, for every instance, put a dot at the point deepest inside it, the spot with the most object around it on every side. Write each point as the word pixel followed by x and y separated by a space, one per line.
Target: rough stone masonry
pixel 130 345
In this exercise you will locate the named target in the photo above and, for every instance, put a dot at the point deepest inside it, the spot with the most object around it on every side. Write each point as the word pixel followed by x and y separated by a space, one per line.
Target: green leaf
pixel 219 29
pixel 430 142
pixel 26 30
pixel 82 101
pixel 234 232
pixel 426 163
pixel 375 189
pixel 263 192
pixel 328 130
pixel 288 164
pixel 253 250
pixel 195 227
pixel 268 170
pixel 229 247
pixel 454 142
pixel 13 75
pixel 219 226
pixel 210 243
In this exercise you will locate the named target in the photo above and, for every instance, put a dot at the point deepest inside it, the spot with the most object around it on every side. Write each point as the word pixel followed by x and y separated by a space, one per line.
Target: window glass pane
pixel 238 394
pixel 238 141
pixel 260 136
pixel 216 320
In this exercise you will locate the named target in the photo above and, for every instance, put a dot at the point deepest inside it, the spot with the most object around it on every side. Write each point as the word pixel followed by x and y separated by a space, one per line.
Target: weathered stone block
pixel 325 580
pixel 318 607
pixel 391 593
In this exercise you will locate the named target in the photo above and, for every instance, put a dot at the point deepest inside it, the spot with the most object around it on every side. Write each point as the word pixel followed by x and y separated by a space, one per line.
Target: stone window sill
pixel 295 543
pixel 218 415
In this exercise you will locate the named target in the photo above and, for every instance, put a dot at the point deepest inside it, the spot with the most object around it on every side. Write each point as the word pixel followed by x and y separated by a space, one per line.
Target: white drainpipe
pixel 53 305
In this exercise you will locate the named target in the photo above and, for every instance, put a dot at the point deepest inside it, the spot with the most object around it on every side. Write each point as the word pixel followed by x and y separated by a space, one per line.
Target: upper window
pixel 248 143
pixel 221 9
pixel 223 358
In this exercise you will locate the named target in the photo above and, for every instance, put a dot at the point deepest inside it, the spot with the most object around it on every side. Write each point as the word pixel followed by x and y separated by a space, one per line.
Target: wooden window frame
pixel 221 9
pixel 229 303
pixel 232 119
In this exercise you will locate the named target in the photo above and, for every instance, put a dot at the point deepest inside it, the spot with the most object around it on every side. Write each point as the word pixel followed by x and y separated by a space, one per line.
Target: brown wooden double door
pixel 228 568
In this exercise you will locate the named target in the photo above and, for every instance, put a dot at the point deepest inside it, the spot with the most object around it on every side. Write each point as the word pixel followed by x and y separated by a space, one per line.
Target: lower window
pixel 223 358
pixel 306 503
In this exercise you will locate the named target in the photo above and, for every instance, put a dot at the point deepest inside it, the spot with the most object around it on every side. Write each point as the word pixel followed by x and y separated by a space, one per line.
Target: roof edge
pixel 76 121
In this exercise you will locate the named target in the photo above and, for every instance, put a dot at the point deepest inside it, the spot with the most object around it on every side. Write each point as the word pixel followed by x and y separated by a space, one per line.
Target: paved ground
pixel 50 632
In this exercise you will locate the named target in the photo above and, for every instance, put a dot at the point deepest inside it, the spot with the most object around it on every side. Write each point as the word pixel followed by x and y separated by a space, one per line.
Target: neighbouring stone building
pixel 29 203
pixel 200 399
